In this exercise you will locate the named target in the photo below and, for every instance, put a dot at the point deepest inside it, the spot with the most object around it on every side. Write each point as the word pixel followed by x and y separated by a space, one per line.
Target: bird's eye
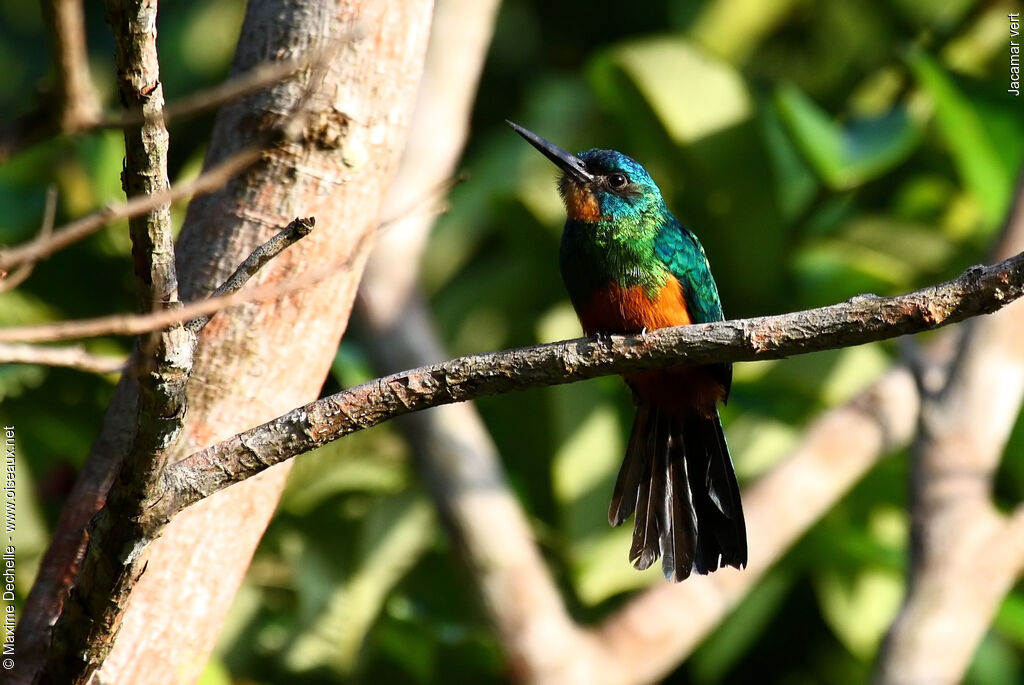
pixel 617 181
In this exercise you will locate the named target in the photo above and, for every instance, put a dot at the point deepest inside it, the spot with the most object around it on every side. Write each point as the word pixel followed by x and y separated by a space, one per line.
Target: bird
pixel 630 266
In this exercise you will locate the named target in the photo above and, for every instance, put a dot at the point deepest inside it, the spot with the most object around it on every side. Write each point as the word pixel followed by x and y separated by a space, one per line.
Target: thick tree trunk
pixel 258 360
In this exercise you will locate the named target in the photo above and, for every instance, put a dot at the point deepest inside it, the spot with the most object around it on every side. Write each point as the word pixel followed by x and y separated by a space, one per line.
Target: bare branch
pixel 133 23
pixel 117 525
pixel 863 319
pixel 136 324
pixel 22 272
pixel 209 181
pixel 162 364
pixel 83 115
pixel 956 531
pixel 76 94
pixel 74 106
pixel 292 233
pixel 453 453
pixel 355 112
pixel 235 88
pixel 71 357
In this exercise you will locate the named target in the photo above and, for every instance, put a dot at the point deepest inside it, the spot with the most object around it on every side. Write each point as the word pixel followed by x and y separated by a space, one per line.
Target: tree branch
pixel 117 526
pixel 210 180
pixel 84 634
pixel 77 95
pixel 135 324
pixel 234 88
pixel 10 281
pixel 338 162
pixel 979 290
pixel 71 357
pixel 292 233
pixel 957 534
pixel 452 451
pixel 76 357
pixel 79 111
pixel 76 107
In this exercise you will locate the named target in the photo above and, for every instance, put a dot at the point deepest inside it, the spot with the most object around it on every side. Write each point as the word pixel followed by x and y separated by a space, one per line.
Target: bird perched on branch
pixel 630 266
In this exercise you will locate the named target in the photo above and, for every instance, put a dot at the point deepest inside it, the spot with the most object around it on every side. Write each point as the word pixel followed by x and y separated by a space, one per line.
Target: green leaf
pixel 994 663
pixel 1010 619
pixel 876 254
pixel 974 152
pixel 394 535
pixel 726 646
pixel 859 609
pixel 693 94
pixel 846 156
pixel 795 182
pixel 216 672
pixel 370 461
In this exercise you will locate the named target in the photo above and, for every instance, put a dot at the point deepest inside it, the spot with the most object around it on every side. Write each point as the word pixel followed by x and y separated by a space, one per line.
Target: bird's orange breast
pixel 617 309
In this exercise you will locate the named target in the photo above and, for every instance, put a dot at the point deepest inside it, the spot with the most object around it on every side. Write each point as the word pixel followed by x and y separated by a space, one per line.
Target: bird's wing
pixel 684 256
pixel 682 253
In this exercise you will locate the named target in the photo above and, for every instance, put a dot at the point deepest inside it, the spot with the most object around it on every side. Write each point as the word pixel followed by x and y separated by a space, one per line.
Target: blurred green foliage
pixel 820 150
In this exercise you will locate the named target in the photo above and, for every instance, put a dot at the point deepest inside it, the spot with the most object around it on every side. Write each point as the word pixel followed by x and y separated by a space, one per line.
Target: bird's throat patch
pixel 581 204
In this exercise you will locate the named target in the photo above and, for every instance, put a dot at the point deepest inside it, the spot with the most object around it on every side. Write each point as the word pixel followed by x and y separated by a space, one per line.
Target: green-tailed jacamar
pixel 630 266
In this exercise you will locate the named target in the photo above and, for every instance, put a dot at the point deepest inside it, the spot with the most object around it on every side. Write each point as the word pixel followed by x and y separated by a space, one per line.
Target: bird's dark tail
pixel 678 479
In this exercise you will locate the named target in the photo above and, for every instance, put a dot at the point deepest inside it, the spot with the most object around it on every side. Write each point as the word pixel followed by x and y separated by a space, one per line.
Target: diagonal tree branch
pixel 452 451
pixel 338 162
pixel 956 531
pixel 116 527
pixel 136 324
pixel 10 281
pixel 979 290
pixel 77 358
pixel 234 88
pixel 210 180
pixel 292 233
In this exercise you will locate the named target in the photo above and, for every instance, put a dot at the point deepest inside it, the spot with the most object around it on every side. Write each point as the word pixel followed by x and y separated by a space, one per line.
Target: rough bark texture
pixel 863 319
pixel 91 614
pixel 258 360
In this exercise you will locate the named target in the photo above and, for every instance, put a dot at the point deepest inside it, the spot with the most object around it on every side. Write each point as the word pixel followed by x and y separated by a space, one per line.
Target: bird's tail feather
pixel 678 479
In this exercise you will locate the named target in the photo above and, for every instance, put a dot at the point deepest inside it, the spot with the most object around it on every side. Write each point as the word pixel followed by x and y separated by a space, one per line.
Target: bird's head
pixel 600 185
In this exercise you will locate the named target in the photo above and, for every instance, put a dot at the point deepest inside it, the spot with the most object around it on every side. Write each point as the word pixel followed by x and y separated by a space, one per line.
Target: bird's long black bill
pixel 566 161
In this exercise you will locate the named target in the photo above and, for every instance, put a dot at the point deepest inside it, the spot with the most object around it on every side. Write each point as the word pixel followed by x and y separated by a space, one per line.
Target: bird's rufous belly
pixel 617 309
